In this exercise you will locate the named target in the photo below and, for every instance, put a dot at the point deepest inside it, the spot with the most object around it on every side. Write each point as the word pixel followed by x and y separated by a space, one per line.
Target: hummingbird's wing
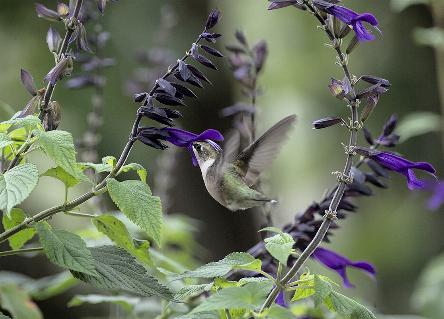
pixel 259 155
pixel 231 146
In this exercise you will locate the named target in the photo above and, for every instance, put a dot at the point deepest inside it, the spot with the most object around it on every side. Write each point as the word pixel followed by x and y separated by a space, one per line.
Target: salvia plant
pixel 150 280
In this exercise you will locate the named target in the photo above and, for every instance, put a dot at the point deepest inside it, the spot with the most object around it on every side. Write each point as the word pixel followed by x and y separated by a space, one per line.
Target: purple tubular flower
pixel 186 139
pixel 350 17
pixel 340 263
pixel 280 300
pixel 400 165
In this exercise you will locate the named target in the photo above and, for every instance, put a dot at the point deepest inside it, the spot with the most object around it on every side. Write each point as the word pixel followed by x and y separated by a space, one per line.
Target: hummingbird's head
pixel 206 152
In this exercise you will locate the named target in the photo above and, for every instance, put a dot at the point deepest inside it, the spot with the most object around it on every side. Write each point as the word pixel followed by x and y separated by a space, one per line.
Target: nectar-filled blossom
pixel 186 139
pixel 350 17
pixel 340 263
pixel 400 165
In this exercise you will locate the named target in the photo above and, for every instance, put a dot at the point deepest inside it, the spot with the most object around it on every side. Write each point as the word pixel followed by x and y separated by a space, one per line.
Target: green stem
pixel 76 214
pixel 20 251
pixel 342 183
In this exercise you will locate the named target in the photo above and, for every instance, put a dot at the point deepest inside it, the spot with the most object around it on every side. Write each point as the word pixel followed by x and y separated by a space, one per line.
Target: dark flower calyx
pixel 213 19
pixel 326 122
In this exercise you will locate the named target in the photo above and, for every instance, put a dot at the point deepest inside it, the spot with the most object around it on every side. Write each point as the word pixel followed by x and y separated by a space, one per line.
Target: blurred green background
pixel 393 230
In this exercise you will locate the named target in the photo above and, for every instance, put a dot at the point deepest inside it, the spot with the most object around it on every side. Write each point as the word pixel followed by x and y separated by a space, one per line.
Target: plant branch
pixel 343 178
pixel 101 187
pixel 50 87
pixel 20 251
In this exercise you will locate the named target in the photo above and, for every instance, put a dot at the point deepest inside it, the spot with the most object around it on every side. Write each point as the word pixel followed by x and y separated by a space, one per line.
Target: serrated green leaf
pixel 66 249
pixel 322 290
pixel 248 297
pixel 140 170
pixel 16 185
pixel 118 270
pixel 110 160
pixel 29 122
pixel 59 146
pixel 126 302
pixel 5 140
pixel 107 165
pixel 135 200
pixel 243 261
pixel 50 286
pixel 280 246
pixel 349 308
pixel 303 292
pixel 115 230
pixel 278 312
pixel 16 217
pixel 191 291
pixel 18 303
pixel 60 174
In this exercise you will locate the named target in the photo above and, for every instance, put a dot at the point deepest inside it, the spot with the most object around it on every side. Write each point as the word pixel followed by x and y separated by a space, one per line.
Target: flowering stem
pixel 50 87
pixel 343 179
pixel 99 188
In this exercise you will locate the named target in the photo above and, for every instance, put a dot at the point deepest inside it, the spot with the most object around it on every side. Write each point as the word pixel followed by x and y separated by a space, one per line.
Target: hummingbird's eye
pixel 198 147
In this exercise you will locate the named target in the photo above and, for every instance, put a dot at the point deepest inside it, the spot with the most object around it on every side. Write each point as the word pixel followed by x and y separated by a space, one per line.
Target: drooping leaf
pixel 115 230
pixel 29 122
pixel 348 307
pixel 280 246
pixel 59 146
pixel 248 297
pixel 241 261
pixel 118 270
pixel 66 249
pixel 140 170
pixel 5 140
pixel 16 217
pixel 50 286
pixel 60 174
pixel 16 185
pixel 135 200
pixel 18 303
pixel 126 302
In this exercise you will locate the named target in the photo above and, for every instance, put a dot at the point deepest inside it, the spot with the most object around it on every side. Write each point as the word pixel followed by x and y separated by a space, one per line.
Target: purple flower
pixel 340 263
pixel 437 198
pixel 186 139
pixel 280 300
pixel 400 165
pixel 350 17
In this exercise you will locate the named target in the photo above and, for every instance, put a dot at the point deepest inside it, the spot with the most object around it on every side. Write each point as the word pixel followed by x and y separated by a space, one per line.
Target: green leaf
pixel 243 261
pixel 66 249
pixel 50 286
pixel 278 312
pixel 303 292
pixel 18 303
pixel 118 270
pixel 348 307
pixel 29 122
pixel 115 230
pixel 60 174
pixel 5 140
pixel 107 165
pixel 201 315
pixel 140 170
pixel 248 297
pixel 17 216
pixel 135 200
pixel 322 290
pixel 59 146
pixel 418 123
pixel 126 302
pixel 16 185
pixel 191 291
pixel 280 246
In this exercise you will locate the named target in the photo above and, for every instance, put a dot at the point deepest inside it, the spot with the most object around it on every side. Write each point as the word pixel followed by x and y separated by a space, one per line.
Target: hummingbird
pixel 230 177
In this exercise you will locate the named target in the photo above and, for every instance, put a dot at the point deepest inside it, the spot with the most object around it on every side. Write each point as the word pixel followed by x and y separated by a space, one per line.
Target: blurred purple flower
pixel 340 263
pixel 437 198
pixel 280 300
pixel 350 17
pixel 186 139
pixel 400 165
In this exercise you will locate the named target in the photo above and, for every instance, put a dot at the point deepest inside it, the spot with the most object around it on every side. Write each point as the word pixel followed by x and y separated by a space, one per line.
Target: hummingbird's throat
pixel 205 166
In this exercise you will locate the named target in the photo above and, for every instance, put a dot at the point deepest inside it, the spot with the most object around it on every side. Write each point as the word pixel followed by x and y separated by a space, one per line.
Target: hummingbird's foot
pixel 347 179
pixel 330 214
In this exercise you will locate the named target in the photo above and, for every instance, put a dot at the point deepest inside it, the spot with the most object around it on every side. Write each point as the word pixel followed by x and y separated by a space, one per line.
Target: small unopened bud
pixel 326 122
pixel 139 97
